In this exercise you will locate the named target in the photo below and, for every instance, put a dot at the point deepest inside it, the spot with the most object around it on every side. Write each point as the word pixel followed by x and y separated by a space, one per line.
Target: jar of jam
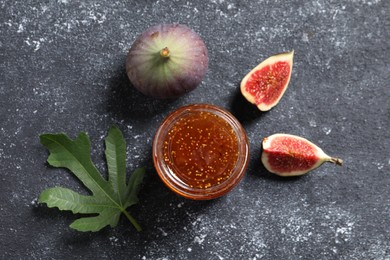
pixel 201 151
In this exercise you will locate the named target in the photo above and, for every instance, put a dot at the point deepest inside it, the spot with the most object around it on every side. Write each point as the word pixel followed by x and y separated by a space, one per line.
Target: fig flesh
pixel 265 85
pixel 167 60
pixel 290 155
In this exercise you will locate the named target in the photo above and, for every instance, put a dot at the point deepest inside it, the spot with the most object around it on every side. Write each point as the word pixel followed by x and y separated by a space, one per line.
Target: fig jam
pixel 200 151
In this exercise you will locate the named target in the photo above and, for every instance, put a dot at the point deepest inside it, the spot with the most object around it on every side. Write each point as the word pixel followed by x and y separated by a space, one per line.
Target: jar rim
pixel 175 183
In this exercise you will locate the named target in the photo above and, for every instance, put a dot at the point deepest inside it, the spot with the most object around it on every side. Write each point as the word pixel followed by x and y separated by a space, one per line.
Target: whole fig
pixel 167 60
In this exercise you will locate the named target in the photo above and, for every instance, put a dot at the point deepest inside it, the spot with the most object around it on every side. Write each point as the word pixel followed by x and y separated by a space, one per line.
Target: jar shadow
pixel 162 213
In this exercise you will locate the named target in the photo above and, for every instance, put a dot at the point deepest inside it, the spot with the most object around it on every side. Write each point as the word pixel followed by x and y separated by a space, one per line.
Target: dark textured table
pixel 62 70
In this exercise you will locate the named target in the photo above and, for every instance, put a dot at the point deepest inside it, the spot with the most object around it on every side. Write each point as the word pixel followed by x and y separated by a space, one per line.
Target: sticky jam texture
pixel 288 155
pixel 267 84
pixel 201 149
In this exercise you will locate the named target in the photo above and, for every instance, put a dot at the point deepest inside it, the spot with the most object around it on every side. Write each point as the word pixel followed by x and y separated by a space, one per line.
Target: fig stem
pixel 165 53
pixel 336 161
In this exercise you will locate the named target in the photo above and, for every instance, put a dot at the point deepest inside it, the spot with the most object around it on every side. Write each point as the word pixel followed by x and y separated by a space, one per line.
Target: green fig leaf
pixel 109 198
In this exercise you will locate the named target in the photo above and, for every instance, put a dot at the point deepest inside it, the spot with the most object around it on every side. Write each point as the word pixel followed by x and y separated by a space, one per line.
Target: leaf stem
pixel 132 220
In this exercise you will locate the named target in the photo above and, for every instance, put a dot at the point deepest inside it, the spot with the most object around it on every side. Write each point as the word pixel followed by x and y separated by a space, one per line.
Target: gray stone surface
pixel 62 70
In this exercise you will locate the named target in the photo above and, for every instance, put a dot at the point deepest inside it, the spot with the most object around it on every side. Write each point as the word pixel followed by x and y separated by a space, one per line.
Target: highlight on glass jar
pixel 201 151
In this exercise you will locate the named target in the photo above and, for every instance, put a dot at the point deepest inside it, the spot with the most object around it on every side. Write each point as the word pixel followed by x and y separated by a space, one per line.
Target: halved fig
pixel 265 85
pixel 290 155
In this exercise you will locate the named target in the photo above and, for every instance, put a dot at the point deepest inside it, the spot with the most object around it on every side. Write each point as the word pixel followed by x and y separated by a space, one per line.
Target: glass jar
pixel 200 151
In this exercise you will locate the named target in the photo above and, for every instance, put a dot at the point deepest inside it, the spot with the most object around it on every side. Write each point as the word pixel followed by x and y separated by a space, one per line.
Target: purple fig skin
pixel 291 155
pixel 167 61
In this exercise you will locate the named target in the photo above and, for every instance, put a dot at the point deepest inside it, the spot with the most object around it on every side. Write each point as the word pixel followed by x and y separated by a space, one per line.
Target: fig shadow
pixel 256 168
pixel 125 102
pixel 243 110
